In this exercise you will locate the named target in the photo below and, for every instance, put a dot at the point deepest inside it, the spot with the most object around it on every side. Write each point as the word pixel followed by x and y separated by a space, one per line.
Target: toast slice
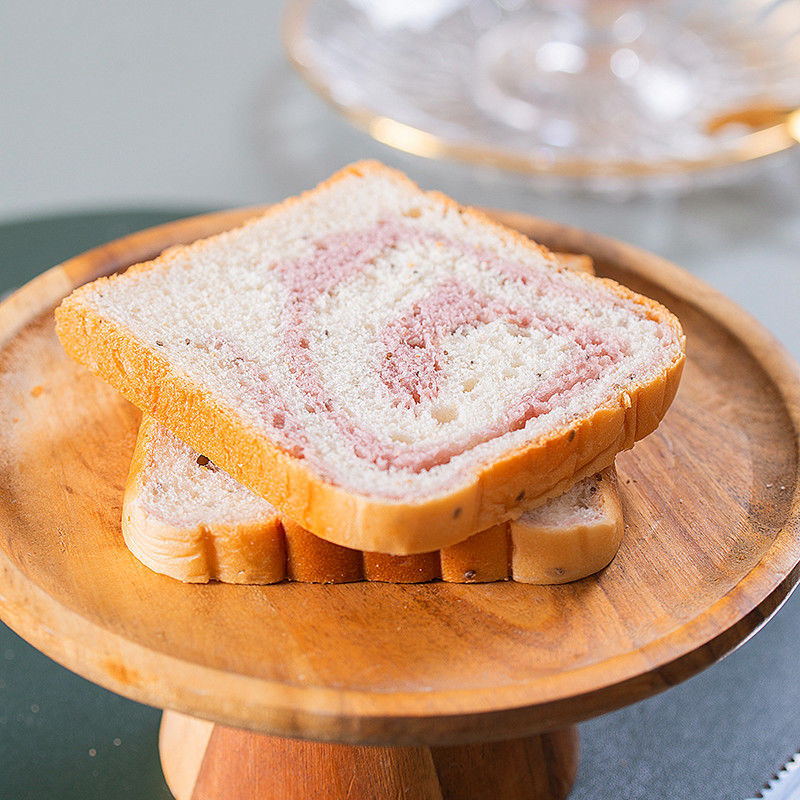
pixel 387 368
pixel 186 518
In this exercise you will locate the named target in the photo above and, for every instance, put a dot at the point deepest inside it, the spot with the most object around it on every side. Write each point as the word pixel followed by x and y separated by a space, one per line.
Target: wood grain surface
pixel 710 551
pixel 203 761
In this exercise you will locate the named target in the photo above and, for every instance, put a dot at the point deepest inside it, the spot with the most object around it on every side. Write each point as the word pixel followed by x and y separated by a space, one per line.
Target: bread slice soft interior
pixel 387 368
pixel 186 518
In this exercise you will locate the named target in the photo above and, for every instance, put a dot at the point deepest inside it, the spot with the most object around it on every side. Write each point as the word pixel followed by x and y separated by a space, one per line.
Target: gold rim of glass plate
pixel 767 140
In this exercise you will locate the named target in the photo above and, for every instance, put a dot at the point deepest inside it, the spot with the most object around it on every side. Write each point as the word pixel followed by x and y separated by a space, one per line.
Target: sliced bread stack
pixel 391 372
pixel 186 518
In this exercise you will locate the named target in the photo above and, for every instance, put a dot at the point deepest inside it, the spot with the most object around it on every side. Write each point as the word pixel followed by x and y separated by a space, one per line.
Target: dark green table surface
pixel 715 737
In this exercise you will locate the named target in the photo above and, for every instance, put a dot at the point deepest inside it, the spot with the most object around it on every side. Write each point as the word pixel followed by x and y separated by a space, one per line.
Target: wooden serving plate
pixel 711 550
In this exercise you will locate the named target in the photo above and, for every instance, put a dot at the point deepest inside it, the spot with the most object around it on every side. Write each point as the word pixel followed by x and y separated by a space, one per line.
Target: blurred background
pixel 118 115
pixel 194 105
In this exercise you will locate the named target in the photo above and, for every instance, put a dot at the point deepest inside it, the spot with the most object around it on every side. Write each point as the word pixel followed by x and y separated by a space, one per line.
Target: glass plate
pixel 572 88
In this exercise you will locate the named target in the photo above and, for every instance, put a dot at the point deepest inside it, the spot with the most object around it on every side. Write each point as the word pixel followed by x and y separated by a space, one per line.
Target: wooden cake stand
pixel 428 691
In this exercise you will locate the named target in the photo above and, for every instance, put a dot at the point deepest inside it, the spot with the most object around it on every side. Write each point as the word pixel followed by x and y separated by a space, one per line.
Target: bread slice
pixel 571 536
pixel 186 518
pixel 392 371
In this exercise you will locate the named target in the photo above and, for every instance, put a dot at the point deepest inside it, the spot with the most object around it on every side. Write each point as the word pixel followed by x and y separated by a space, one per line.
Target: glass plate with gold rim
pixel 597 89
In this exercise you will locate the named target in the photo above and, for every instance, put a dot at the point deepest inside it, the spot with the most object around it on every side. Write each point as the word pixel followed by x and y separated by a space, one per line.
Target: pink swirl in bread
pixel 268 348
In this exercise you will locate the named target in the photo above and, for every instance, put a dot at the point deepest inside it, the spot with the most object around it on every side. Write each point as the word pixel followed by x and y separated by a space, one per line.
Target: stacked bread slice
pixel 186 518
pixel 391 372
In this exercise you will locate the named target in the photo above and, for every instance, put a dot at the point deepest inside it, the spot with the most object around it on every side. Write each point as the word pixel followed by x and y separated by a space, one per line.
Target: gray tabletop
pixel 157 113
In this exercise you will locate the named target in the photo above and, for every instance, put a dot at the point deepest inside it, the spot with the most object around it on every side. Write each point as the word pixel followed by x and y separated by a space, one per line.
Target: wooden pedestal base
pixel 204 761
